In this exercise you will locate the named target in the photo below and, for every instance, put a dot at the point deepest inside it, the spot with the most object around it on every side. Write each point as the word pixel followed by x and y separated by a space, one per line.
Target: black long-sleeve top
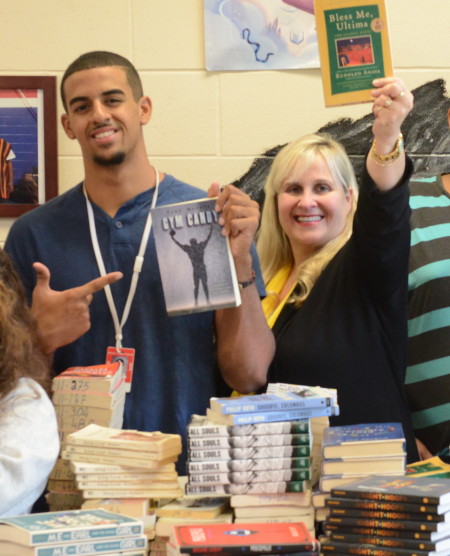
pixel 351 332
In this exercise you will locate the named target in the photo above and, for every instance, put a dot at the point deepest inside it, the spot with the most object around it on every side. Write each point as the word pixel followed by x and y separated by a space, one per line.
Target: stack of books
pixel 73 532
pixel 157 546
pixel 274 508
pixel 83 395
pixel 62 491
pixel 191 511
pixel 241 459
pixel 317 423
pixel 140 508
pixel 350 452
pixel 143 463
pixel 281 402
pixel 284 407
pixel 389 515
pixel 318 426
pixel 255 538
pixel 321 511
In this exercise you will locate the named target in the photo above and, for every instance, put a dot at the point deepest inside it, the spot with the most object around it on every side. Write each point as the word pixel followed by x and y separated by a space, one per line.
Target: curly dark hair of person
pixel 20 354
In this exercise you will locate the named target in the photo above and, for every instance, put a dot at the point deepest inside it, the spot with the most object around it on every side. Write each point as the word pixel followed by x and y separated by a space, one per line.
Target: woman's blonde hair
pixel 20 354
pixel 273 245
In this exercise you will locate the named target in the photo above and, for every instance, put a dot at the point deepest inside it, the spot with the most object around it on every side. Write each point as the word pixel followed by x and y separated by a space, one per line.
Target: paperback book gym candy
pixel 195 262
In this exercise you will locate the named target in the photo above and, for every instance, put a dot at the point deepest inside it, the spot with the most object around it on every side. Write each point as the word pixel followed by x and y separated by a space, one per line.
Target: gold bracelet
pixel 390 158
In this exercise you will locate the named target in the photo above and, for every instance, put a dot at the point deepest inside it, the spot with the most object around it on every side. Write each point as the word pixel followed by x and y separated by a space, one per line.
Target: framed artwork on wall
pixel 28 144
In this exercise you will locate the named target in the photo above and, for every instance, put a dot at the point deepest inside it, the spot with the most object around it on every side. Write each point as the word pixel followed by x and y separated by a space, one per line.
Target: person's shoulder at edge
pixel 29 402
pixel 27 386
pixel 30 445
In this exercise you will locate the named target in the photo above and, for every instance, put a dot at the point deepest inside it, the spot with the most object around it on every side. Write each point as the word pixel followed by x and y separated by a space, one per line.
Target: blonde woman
pixel 335 264
pixel 29 441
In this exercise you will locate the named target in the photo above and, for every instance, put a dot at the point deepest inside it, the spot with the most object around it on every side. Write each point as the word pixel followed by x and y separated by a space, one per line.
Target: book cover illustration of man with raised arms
pixel 195 250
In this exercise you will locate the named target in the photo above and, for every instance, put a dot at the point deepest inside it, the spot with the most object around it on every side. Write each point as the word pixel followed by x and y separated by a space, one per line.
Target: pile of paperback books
pixel 261 448
pixel 72 532
pixel 351 452
pixel 239 459
pixel 144 463
pixel 83 395
pixel 288 507
pixel 191 511
pixel 258 444
pixel 281 402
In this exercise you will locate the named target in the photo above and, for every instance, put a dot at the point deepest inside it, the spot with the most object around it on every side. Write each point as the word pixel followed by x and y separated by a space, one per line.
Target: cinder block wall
pixel 205 125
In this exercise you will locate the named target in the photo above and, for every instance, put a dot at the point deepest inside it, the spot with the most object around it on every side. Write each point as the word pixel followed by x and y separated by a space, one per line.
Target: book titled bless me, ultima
pixel 354 48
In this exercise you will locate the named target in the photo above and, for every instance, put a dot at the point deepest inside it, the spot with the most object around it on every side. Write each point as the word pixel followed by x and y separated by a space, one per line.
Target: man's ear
pixel 67 127
pixel 145 108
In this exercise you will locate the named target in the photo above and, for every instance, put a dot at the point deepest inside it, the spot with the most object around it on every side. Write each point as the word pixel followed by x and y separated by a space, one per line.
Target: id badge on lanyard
pixel 126 357
pixel 117 352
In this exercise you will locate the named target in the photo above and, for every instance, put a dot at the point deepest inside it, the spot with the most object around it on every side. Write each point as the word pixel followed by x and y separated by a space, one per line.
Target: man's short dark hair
pixel 101 59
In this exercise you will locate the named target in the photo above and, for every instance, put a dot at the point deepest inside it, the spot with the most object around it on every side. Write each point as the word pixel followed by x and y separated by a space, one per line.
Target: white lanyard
pixel 139 261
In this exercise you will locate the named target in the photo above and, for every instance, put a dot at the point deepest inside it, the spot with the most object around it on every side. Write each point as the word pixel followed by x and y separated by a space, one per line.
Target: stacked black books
pixel 389 515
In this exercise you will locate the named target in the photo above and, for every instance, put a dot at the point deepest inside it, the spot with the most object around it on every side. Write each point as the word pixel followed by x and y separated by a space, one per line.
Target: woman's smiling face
pixel 312 207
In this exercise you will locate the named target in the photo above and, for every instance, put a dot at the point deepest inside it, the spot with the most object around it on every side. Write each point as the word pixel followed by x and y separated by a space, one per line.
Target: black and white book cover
pixel 195 262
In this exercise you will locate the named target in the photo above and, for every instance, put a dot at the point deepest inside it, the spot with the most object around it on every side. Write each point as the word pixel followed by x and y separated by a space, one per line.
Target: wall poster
pixel 260 35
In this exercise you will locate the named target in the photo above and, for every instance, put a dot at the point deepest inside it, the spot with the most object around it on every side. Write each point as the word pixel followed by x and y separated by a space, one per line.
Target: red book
pixel 254 538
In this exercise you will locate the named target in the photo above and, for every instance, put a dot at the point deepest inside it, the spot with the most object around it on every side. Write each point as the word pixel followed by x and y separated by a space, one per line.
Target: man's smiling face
pixel 103 115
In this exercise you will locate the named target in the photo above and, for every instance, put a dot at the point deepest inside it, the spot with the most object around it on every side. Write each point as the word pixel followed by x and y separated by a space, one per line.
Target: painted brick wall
pixel 205 126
